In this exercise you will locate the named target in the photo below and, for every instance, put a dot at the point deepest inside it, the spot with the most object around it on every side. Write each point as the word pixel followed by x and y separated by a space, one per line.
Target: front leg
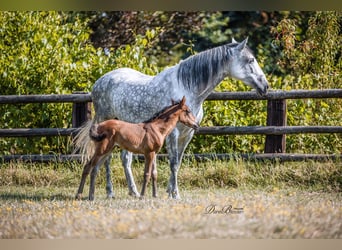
pixel 149 161
pixel 154 177
pixel 172 148
pixel 176 145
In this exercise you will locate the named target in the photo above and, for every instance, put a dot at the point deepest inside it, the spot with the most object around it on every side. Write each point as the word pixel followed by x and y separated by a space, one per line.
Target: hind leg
pixel 93 175
pixel 89 167
pixel 86 170
pixel 109 184
pixel 126 158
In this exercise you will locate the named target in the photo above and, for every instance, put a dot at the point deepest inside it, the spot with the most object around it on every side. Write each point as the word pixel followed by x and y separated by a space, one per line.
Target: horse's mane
pixel 200 68
pixel 162 113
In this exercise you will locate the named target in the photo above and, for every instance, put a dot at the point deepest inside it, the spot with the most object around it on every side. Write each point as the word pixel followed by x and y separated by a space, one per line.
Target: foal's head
pixel 185 116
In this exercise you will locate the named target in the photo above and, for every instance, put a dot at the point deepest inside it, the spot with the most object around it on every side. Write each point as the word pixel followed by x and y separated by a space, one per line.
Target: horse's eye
pixel 250 60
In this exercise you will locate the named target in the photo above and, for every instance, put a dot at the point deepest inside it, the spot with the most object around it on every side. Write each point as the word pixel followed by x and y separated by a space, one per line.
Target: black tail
pixel 94 135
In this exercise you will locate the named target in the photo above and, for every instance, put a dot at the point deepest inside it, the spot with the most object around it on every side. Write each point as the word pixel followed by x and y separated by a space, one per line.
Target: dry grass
pixel 37 202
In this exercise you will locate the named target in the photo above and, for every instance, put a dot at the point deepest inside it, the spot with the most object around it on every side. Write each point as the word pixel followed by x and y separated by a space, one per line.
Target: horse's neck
pixel 201 73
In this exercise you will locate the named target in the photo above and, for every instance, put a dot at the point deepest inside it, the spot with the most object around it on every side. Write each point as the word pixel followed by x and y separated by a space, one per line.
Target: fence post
pixel 276 116
pixel 81 112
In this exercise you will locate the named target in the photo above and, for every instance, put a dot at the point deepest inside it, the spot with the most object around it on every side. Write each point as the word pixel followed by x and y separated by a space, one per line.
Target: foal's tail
pixel 94 135
pixel 83 144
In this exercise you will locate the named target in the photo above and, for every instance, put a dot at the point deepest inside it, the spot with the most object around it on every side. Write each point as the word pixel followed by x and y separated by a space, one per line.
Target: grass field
pixel 234 199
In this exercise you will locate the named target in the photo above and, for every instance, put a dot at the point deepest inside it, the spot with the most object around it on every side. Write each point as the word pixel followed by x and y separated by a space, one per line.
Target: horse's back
pixel 121 76
pixel 129 95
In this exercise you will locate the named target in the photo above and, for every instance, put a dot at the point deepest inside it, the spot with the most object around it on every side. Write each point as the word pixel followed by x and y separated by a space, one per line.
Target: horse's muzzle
pixel 195 126
pixel 262 91
pixel 263 87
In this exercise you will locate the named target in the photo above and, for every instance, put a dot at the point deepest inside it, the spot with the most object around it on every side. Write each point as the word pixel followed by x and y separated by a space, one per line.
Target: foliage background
pixel 63 52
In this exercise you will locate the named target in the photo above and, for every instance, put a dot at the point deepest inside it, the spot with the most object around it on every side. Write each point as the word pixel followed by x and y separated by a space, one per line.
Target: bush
pixel 50 53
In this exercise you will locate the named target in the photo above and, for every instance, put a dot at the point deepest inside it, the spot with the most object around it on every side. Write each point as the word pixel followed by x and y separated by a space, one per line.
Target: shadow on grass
pixel 35 197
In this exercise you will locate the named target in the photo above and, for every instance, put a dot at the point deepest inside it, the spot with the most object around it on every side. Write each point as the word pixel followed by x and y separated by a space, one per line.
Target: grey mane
pixel 199 69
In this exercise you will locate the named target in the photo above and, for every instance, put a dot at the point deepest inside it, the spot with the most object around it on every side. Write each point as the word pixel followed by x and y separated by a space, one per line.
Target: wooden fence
pixel 275 129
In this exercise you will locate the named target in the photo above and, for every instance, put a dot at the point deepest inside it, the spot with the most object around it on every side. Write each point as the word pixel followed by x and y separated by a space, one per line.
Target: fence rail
pixel 242 95
pixel 280 157
pixel 275 130
pixel 213 130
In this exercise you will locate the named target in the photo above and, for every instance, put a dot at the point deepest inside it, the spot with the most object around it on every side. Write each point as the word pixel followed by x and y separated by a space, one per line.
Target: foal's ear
pixel 183 101
pixel 173 102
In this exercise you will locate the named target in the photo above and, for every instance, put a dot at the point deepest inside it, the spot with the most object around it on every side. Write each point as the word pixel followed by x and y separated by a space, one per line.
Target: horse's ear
pixel 173 102
pixel 242 45
pixel 183 101
pixel 233 40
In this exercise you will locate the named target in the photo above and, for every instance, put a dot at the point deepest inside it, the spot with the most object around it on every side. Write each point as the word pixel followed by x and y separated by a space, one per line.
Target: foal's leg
pixel 93 175
pixel 149 159
pixel 126 158
pixel 86 170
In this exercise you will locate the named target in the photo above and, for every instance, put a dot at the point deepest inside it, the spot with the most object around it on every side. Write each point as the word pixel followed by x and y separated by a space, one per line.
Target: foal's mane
pixel 164 113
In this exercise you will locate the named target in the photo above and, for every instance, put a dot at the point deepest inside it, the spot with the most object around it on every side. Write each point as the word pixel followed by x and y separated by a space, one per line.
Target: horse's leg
pixel 176 146
pixel 149 159
pixel 172 148
pixel 154 177
pixel 126 158
pixel 109 184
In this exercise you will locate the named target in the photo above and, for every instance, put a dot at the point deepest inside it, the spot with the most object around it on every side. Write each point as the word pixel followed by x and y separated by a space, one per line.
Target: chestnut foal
pixel 145 138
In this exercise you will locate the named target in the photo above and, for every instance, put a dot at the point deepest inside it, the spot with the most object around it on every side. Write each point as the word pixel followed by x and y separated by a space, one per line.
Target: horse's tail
pixel 83 143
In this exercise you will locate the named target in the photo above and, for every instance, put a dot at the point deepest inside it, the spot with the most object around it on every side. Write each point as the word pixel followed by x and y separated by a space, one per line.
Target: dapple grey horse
pixel 134 97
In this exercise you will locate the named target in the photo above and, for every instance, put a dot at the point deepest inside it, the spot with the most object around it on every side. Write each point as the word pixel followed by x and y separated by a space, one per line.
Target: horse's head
pixel 244 67
pixel 186 117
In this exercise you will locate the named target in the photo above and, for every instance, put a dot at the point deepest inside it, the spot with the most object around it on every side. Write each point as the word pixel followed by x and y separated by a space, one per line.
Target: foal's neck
pixel 167 124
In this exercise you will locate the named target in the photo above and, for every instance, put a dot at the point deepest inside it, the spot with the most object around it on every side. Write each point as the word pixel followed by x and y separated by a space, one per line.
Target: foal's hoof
pixel 78 196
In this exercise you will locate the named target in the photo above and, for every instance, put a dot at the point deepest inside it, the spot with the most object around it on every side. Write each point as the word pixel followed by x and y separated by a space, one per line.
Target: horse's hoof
pixel 174 195
pixel 78 196
pixel 110 196
pixel 134 194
